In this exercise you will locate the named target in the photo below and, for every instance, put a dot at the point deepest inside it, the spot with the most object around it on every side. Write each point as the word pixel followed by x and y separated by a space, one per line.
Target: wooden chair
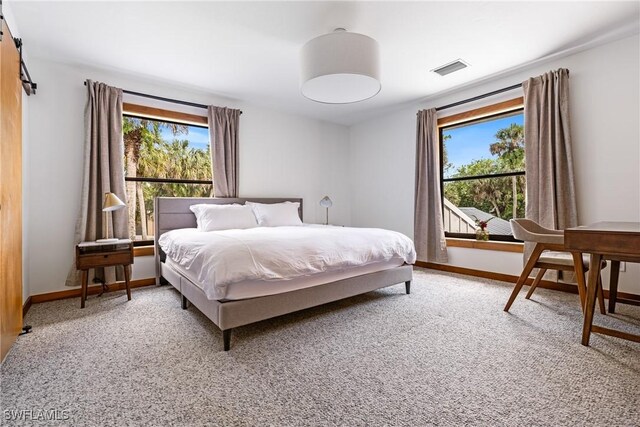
pixel 549 254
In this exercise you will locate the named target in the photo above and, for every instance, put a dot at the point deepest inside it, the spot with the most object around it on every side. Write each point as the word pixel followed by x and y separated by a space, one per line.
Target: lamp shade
pixel 112 203
pixel 340 68
pixel 326 202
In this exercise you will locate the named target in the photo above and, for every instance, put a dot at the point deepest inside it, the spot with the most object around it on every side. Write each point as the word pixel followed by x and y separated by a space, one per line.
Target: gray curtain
pixel 103 171
pixel 551 195
pixel 428 222
pixel 223 134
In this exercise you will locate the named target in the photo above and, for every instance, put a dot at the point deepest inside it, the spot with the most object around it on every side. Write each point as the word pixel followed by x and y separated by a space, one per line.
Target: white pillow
pixel 276 214
pixel 223 217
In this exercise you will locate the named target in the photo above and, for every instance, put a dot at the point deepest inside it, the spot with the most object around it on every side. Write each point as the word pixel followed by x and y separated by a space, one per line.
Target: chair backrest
pixel 530 231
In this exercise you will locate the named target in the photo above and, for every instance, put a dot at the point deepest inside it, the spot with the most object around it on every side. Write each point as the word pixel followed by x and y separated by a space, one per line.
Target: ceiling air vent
pixel 451 67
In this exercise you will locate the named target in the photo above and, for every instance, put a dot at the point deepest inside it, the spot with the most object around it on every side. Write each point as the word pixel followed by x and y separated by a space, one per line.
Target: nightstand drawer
pixel 104 259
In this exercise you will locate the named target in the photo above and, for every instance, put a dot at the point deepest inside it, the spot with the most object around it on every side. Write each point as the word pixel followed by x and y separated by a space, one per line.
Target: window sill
pixel 143 251
pixel 490 246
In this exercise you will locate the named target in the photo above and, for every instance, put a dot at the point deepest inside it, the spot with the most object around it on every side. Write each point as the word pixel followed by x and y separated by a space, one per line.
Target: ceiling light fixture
pixel 340 68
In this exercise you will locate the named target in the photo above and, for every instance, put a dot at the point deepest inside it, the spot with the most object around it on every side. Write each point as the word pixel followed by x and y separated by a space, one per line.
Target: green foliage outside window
pixel 150 155
pixel 503 197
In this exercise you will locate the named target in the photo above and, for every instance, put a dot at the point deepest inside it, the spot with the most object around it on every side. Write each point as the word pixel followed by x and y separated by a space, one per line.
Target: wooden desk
pixel 618 241
pixel 93 255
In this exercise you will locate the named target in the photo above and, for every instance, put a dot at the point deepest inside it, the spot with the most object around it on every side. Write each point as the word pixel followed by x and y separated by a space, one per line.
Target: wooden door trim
pixel 161 114
pixel 478 113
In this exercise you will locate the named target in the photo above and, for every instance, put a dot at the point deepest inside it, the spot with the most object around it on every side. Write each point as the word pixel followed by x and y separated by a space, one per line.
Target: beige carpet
pixel 445 355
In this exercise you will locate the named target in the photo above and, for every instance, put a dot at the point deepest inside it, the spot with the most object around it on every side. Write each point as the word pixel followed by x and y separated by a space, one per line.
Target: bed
pixel 239 309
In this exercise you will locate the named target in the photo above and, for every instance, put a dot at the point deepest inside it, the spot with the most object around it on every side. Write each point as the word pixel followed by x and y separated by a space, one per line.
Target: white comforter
pixel 219 258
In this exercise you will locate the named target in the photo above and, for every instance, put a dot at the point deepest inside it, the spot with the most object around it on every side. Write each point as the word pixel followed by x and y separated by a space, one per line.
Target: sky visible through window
pixel 198 137
pixel 471 142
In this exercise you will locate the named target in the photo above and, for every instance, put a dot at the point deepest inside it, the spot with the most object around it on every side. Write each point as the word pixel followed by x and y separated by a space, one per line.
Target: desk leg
pixel 127 274
pixel 592 289
pixel 600 295
pixel 579 268
pixel 613 285
pixel 83 295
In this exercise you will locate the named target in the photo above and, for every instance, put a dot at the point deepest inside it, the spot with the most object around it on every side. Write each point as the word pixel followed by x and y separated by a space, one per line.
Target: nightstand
pixel 93 255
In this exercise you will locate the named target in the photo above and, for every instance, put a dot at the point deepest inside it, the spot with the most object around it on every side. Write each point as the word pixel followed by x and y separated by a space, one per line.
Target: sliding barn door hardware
pixel 28 84
pixel 1 19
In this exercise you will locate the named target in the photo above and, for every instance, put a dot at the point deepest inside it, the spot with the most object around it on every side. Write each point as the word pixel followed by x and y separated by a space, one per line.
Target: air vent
pixel 451 67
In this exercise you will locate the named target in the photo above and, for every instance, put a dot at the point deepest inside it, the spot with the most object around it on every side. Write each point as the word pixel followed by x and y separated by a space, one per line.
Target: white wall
pixel 605 122
pixel 281 155
pixel 285 155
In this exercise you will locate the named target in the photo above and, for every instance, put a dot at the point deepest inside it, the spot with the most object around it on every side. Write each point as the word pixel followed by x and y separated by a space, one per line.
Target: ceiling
pixel 250 50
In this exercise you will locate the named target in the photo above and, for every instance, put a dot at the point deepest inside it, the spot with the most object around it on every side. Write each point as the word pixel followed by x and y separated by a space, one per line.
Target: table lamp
pixel 326 203
pixel 111 203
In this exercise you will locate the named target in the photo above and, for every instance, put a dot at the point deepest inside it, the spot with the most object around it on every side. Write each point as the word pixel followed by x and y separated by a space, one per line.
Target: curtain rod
pixel 475 98
pixel 160 98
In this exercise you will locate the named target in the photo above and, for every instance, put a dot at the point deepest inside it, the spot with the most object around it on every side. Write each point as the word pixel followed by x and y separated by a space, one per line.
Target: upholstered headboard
pixel 171 213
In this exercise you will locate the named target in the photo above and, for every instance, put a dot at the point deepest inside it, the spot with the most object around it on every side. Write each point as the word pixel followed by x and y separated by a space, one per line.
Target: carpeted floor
pixel 445 355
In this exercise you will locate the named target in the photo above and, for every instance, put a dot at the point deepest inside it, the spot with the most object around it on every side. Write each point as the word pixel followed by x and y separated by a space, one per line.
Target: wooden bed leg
pixel 407 286
pixel 185 302
pixel 226 338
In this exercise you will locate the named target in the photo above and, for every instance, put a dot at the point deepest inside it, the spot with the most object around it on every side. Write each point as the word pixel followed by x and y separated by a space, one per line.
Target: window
pixel 482 170
pixel 163 157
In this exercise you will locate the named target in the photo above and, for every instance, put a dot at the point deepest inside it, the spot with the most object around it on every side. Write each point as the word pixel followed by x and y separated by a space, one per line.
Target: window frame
pixel 465 118
pixel 137 111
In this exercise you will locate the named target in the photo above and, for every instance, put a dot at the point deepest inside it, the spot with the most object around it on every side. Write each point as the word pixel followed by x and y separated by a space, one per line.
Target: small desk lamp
pixel 326 203
pixel 111 203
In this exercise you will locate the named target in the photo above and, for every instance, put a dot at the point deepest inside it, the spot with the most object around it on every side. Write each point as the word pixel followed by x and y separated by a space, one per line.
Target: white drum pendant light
pixel 340 68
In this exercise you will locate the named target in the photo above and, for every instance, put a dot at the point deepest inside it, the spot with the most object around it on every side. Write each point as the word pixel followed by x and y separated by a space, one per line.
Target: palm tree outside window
pixel 162 158
pixel 483 174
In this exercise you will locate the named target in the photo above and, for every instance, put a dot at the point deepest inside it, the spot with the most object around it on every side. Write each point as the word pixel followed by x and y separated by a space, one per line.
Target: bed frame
pixel 173 212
